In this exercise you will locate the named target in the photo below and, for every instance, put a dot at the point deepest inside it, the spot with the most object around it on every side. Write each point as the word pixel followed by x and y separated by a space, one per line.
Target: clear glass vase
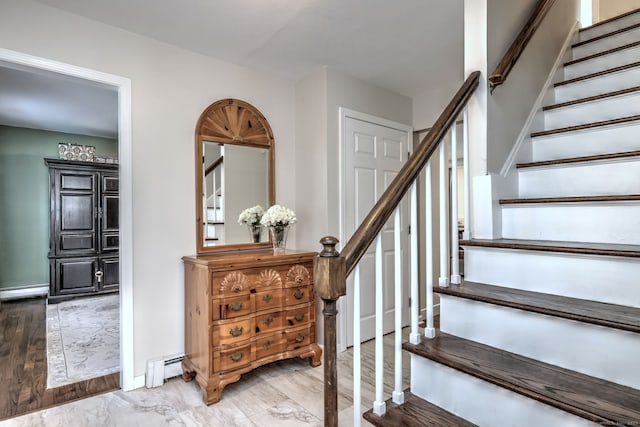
pixel 279 235
pixel 255 232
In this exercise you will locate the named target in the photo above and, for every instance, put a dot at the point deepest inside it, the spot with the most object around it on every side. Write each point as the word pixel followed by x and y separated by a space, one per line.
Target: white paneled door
pixel 373 150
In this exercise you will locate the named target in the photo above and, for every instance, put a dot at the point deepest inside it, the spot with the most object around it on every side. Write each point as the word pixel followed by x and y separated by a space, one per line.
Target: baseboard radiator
pixel 161 369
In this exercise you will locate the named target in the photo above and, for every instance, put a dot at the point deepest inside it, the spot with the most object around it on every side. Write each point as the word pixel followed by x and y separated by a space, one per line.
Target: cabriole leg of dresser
pixel 314 355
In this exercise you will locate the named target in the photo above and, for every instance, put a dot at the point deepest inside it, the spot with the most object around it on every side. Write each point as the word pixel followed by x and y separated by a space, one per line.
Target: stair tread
pixel 603 53
pixel 606 35
pixel 415 412
pixel 581 159
pixel 598 74
pixel 607 249
pixel 603 123
pixel 606 21
pixel 592 98
pixel 582 395
pixel 571 199
pixel 594 312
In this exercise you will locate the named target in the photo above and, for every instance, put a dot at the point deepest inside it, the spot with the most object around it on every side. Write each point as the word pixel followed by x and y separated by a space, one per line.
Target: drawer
pixel 268 278
pixel 231 332
pixel 297 338
pixel 270 345
pixel 299 275
pixel 233 358
pixel 228 308
pixel 230 283
pixel 269 322
pixel 299 316
pixel 269 299
pixel 298 295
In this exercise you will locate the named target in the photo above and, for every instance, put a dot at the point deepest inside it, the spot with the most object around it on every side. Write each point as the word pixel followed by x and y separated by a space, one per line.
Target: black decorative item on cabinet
pixel 84 235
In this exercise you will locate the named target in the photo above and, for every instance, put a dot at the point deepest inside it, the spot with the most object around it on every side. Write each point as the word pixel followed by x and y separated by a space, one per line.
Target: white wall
pixel 610 8
pixel 170 88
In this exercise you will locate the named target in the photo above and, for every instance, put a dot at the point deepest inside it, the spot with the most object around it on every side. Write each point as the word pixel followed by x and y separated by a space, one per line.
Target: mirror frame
pixel 231 121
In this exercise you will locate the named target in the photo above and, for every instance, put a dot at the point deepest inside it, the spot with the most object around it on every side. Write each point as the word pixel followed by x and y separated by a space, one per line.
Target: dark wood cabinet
pixel 84 235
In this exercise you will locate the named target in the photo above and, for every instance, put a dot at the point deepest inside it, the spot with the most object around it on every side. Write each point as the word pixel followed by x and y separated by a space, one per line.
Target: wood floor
pixel 23 363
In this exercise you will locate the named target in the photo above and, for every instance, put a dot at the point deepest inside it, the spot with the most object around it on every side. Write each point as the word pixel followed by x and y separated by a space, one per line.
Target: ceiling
pixel 405 46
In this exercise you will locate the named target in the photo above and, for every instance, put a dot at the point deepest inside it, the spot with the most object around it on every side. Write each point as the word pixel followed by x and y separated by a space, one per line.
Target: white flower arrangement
pixel 251 216
pixel 278 216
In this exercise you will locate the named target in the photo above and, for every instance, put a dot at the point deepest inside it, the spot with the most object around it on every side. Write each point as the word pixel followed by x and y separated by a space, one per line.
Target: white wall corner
pixel 487 212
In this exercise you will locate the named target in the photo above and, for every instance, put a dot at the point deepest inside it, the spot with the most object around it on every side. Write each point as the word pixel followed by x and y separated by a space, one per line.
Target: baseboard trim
pixel 27 292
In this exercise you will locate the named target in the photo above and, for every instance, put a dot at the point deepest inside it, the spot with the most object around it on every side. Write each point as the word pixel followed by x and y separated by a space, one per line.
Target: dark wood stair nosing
pixel 592 312
pixel 582 159
pixel 603 53
pixel 578 248
pixel 415 412
pixel 598 74
pixel 607 35
pixel 603 123
pixel 534 379
pixel 571 199
pixel 612 19
pixel 598 97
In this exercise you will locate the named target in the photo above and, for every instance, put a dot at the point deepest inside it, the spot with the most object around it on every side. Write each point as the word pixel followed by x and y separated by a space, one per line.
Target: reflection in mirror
pixel 234 171
pixel 236 177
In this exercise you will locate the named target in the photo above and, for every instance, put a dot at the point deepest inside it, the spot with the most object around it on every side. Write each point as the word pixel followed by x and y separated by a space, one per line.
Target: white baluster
pixel 398 393
pixel 466 234
pixel 379 405
pixel 430 330
pixel 357 366
pixel 455 255
pixel 414 336
pixel 444 253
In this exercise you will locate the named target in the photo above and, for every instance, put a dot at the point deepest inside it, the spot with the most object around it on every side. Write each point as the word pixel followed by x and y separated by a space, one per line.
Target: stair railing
pixel 332 268
pixel 512 54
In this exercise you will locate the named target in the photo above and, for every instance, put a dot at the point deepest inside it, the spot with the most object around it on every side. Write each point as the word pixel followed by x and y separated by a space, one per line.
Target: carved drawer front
pixel 229 308
pixel 298 337
pixel 298 295
pixel 230 333
pixel 299 275
pixel 233 358
pixel 268 279
pixel 269 323
pixel 270 345
pixel 299 316
pixel 230 283
pixel 269 299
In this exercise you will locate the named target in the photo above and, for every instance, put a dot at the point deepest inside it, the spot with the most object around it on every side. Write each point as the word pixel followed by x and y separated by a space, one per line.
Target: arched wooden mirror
pixel 235 157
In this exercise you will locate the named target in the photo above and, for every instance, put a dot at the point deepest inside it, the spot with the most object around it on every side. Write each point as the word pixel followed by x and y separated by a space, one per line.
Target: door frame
pixel 123 87
pixel 344 114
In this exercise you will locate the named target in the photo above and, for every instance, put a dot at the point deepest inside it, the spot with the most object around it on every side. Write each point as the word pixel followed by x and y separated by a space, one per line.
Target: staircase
pixel 545 329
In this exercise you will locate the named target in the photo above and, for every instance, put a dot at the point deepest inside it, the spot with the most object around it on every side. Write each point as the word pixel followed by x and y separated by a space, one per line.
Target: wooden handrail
pixel 364 236
pixel 213 165
pixel 512 54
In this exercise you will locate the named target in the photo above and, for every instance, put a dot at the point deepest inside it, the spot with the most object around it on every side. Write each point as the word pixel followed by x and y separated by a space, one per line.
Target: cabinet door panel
pixel 110 268
pixel 110 213
pixel 110 183
pixel 76 181
pixel 75 275
pixel 77 212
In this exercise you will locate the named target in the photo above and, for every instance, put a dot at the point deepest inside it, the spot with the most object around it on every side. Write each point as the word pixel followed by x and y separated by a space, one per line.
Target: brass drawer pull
pixel 299 294
pixel 236 332
pixel 237 356
pixel 267 298
pixel 236 306
pixel 299 338
pixel 268 344
pixel 268 321
pixel 299 317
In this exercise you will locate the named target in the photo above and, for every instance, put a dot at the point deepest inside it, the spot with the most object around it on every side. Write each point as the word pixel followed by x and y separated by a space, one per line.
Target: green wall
pixel 24 200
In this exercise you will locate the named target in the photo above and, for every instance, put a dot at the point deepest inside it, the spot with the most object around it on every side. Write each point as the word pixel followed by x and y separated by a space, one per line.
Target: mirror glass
pixel 234 171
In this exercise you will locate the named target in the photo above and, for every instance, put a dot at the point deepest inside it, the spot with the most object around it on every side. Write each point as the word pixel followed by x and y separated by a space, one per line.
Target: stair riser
pixel 593 111
pixel 481 402
pixel 578 346
pixel 606 43
pixel 599 178
pixel 617 223
pixel 598 86
pixel 611 280
pixel 588 142
pixel 609 27
pixel 601 63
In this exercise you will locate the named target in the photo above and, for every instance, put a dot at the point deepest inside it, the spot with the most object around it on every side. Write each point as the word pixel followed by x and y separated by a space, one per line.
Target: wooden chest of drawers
pixel 244 310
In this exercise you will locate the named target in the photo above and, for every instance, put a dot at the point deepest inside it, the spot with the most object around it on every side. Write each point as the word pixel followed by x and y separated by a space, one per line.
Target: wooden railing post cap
pixel 329 270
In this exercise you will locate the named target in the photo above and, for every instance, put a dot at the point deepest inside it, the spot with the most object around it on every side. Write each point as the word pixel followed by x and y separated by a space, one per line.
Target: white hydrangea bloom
pixel 278 215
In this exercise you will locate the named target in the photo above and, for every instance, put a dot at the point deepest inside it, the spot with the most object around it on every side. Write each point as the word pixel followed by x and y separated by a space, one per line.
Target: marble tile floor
pixel 284 393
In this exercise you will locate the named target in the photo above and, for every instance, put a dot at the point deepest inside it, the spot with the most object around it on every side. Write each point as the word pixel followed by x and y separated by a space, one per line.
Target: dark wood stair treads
pixel 592 98
pixel 415 412
pixel 575 199
pixel 598 74
pixel 603 123
pixel 605 249
pixel 610 156
pixel 597 313
pixel 609 34
pixel 603 53
pixel 606 21
pixel 591 398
